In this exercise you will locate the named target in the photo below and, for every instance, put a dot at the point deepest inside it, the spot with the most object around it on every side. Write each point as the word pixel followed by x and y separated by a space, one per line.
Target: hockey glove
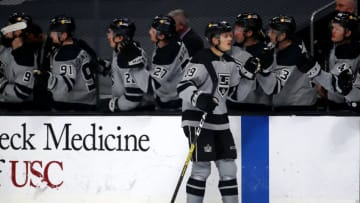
pixel 204 101
pixel 113 104
pixel 104 66
pixel 305 63
pixel 252 66
pixel 266 59
pixel 343 82
pixel 45 78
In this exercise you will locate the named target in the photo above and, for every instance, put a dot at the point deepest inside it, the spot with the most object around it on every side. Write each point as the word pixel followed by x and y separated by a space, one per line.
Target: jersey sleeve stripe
pixel 183 85
pixel 134 90
pixel 133 98
pixel 3 84
pixel 23 88
pixel 20 94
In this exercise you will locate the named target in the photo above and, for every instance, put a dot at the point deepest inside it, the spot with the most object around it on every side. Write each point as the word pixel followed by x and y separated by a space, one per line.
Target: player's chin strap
pixel 217 45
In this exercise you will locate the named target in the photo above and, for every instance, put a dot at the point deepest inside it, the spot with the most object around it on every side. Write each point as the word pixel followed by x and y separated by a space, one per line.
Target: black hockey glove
pixel 104 66
pixel 204 101
pixel 266 59
pixel 41 79
pixel 306 63
pixel 343 82
pixel 252 66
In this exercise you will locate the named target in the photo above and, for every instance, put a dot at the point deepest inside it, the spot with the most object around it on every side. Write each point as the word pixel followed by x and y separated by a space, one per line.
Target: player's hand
pixel 113 104
pixel 306 63
pixel 251 66
pixel 104 66
pixel 204 101
pixel 343 82
pixel 266 59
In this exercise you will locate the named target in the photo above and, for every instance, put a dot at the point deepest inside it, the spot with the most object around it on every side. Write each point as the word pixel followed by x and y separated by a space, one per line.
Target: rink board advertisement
pixel 138 159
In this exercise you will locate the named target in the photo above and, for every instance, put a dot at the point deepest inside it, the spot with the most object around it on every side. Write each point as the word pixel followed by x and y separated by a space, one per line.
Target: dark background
pixel 93 16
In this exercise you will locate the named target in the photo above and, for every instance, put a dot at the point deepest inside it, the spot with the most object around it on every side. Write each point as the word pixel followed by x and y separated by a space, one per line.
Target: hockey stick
pixel 188 158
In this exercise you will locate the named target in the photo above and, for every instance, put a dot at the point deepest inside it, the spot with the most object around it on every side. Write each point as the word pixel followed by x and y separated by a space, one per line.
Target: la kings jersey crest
pixel 224 83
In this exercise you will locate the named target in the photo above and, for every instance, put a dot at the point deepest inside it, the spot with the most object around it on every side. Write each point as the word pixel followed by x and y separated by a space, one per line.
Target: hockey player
pixel 70 80
pixel 168 62
pixel 342 82
pixel 207 82
pixel 17 61
pixel 250 41
pixel 129 75
pixel 291 89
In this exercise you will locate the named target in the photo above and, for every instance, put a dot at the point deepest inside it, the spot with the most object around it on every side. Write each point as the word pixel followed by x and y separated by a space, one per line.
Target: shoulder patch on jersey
pixel 289 56
pixel 167 54
pixel 347 51
pixel 24 56
pixel 67 52
pixel 131 58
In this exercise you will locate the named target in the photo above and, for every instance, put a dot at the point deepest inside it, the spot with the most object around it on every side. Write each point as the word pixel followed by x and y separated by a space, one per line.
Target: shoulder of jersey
pixel 24 56
pixel 206 55
pixel 167 55
pixel 348 51
pixel 290 55
pixel 67 53
pixel 131 58
pixel 256 49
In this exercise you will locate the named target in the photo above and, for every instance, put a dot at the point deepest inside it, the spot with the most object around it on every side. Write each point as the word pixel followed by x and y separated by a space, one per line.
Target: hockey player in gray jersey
pixel 250 41
pixel 17 61
pixel 290 87
pixel 71 79
pixel 130 78
pixel 344 63
pixel 211 74
pixel 168 61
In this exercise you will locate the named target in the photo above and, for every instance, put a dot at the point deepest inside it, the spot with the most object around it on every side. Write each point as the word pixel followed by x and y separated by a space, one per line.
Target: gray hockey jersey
pixel 248 91
pixel 167 69
pixel 72 80
pixel 130 77
pixel 285 82
pixel 17 80
pixel 197 77
pixel 338 62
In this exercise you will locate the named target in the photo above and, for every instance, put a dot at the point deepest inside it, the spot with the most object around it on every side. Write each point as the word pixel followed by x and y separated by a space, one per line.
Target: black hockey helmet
pixel 63 23
pixel 164 25
pixel 283 23
pixel 346 20
pixel 123 27
pixel 216 28
pixel 19 17
pixel 249 21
